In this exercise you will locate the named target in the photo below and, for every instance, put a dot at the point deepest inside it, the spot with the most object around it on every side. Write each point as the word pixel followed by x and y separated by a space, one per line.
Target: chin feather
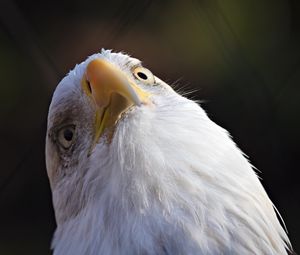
pixel 171 182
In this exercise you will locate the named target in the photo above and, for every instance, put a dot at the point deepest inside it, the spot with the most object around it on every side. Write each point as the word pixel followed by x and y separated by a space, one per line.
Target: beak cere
pixel 112 91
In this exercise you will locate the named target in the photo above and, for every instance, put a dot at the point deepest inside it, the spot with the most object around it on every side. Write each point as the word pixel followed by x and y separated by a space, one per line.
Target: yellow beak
pixel 112 91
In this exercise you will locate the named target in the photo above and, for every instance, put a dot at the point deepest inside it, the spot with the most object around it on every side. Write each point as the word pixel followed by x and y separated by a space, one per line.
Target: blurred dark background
pixel 241 57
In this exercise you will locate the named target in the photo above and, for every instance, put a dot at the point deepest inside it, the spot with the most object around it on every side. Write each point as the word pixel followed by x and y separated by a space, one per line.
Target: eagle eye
pixel 66 136
pixel 144 75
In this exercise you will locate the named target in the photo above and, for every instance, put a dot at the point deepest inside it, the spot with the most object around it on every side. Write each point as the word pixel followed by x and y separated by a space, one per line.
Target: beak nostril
pixel 89 86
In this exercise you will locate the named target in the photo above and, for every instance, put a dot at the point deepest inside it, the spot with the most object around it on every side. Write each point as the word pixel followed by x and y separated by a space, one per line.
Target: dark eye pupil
pixel 68 134
pixel 142 75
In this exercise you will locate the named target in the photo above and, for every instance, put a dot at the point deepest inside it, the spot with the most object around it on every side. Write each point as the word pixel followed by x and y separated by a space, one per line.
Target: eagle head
pixel 136 168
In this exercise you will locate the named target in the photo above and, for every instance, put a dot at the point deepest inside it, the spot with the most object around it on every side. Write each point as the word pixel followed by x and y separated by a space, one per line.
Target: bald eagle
pixel 136 168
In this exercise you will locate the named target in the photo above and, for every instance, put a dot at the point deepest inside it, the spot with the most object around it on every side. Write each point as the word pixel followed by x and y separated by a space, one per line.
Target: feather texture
pixel 170 182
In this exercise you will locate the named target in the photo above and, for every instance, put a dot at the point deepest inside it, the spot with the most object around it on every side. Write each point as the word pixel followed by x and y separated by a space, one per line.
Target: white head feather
pixel 171 181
